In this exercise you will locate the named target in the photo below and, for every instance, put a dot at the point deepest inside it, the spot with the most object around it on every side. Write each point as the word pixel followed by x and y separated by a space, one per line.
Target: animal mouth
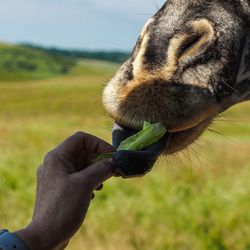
pixel 186 111
pixel 178 138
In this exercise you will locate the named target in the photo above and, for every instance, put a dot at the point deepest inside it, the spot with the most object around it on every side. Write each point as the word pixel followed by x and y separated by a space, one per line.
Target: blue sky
pixel 89 24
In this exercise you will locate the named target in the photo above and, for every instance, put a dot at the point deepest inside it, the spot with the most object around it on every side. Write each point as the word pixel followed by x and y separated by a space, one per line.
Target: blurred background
pixel 55 57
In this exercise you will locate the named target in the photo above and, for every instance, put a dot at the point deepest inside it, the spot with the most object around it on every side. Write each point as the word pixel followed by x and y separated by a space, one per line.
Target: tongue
pixel 121 133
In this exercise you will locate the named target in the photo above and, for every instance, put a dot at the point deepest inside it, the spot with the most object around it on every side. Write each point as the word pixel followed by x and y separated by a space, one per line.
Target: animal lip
pixel 120 133
pixel 177 130
pixel 127 131
pixel 182 129
pixel 134 128
pixel 176 140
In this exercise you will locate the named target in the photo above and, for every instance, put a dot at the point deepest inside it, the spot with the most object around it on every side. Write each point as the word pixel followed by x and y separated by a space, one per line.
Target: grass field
pixel 198 199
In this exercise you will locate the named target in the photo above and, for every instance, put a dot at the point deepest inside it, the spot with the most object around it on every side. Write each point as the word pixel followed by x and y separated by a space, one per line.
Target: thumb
pixel 95 174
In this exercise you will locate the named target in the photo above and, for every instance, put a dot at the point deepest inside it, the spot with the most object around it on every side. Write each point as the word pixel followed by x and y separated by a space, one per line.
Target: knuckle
pixel 88 183
pixel 51 156
pixel 40 171
pixel 79 134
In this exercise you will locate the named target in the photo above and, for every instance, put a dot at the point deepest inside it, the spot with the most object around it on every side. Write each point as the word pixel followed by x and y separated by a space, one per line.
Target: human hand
pixel 65 185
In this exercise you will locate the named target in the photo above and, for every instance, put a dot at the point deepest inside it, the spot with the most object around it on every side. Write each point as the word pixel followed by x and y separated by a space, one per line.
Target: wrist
pixel 37 239
pixel 31 238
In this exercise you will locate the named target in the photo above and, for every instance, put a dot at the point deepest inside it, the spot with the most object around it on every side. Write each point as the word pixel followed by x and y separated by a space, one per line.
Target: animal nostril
pixel 197 36
pixel 189 44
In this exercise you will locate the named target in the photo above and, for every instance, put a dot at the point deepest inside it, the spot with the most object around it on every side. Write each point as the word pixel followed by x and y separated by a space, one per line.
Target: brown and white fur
pixel 185 68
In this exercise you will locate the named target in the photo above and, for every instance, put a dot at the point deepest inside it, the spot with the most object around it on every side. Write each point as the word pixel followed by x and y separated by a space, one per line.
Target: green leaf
pixel 150 134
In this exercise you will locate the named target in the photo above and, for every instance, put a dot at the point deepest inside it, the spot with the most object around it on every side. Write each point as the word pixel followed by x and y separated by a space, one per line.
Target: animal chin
pixel 182 139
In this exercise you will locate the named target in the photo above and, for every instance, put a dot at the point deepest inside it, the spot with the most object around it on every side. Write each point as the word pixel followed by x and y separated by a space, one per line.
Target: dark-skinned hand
pixel 65 184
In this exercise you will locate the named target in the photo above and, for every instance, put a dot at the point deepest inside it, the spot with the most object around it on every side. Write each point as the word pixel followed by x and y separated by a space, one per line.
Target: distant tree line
pixel 112 56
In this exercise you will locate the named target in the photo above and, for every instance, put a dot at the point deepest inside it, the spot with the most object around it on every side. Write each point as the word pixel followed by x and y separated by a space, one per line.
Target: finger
pixel 117 174
pixel 81 148
pixel 94 175
pixel 81 141
pixel 90 157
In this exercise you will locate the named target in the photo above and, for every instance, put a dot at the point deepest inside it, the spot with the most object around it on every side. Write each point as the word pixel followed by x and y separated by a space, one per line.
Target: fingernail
pixel 99 188
pixel 116 174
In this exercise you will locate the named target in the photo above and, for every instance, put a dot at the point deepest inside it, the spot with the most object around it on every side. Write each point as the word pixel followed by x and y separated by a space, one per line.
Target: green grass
pixel 196 200
pixel 22 63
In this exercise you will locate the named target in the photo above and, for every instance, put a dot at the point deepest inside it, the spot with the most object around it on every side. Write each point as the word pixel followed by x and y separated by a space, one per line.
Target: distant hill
pixel 29 62
pixel 18 62
pixel 112 56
